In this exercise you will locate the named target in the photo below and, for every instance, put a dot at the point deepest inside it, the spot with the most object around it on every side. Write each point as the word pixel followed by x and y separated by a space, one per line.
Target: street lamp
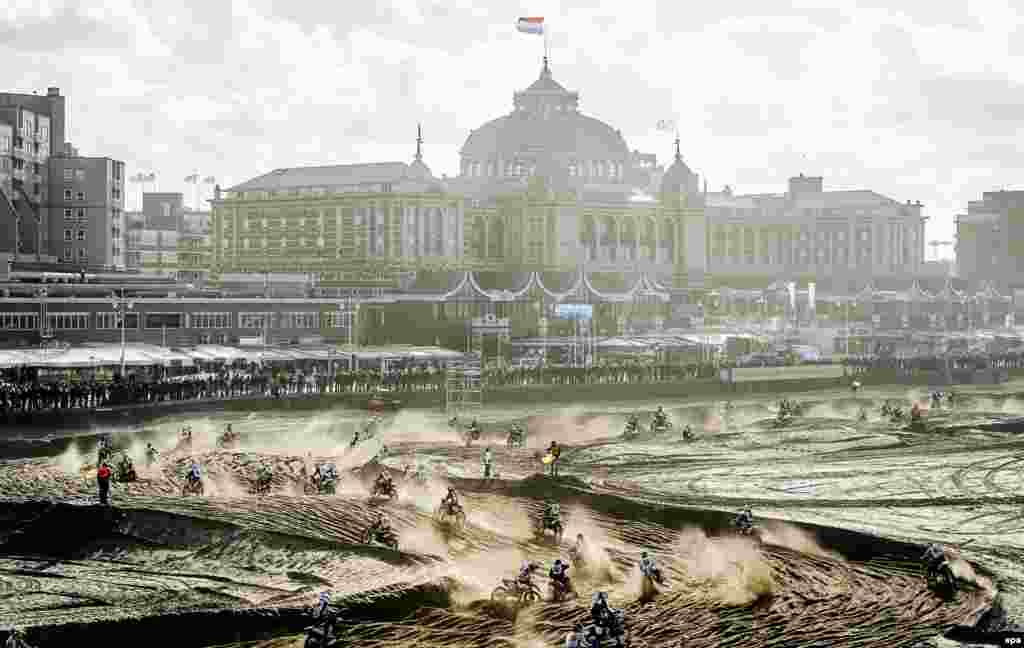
pixel 121 307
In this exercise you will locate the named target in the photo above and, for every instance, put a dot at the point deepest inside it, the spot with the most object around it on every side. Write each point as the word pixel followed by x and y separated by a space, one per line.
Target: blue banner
pixel 575 311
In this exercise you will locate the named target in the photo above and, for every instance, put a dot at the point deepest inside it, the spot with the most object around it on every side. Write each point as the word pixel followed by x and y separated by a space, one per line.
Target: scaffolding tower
pixel 464 391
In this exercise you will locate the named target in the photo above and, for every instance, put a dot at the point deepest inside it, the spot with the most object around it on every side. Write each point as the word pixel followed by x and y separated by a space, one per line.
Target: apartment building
pixel 86 224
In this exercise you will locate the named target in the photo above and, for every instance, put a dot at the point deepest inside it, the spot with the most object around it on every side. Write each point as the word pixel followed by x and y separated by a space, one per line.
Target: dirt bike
pixel 386 490
pixel 561 592
pixel 125 472
pixel 515 439
pixel 511 588
pixel 320 635
pixel 261 486
pixel 553 525
pixel 320 486
pixel 387 538
pixel 663 426
pixel 450 514
pixel 630 431
pixel 227 441
pixel 941 576
pixel 749 531
pixel 472 434
pixel 614 634
pixel 783 419
pixel 192 487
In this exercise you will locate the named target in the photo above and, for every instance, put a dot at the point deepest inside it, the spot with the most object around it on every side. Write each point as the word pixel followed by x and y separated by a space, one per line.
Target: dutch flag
pixel 530 25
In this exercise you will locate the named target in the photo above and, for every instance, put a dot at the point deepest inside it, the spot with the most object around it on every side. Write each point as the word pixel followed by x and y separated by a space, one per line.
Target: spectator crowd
pixel 24 390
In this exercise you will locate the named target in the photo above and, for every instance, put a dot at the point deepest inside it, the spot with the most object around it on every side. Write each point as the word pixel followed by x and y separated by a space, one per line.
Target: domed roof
pixel 546 121
pixel 678 177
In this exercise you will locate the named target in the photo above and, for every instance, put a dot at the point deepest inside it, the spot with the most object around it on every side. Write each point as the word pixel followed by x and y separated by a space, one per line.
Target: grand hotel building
pixel 549 205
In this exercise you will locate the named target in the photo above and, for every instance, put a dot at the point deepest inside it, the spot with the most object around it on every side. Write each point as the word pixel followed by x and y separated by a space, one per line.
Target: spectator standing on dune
pixel 103 482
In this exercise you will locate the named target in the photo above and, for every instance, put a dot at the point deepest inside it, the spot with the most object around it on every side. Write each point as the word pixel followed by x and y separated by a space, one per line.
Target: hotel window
pixel 67 194
pixel 19 321
pixel 79 174
pixel 67 213
pixel 67 235
pixel 300 320
pixel 81 212
pixel 251 320
pixel 82 254
pixel 67 321
pixel 210 320
pixel 81 235
pixel 80 196
pixel 67 254
pixel 69 174
pixel 337 319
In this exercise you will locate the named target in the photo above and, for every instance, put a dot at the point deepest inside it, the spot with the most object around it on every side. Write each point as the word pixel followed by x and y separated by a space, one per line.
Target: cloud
pixel 914 101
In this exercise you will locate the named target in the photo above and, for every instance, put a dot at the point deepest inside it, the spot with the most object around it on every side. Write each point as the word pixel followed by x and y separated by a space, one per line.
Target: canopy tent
pixel 13 358
pixel 92 357
pixel 160 355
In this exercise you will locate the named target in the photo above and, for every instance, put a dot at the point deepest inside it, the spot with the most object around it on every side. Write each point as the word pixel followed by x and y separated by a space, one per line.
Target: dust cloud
pixel 730 567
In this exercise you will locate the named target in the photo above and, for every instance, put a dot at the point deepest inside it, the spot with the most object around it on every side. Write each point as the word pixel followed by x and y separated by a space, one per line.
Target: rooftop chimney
pixel 52 92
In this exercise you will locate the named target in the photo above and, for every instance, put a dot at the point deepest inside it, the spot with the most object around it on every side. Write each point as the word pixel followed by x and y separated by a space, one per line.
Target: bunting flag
pixel 192 179
pixel 666 125
pixel 209 180
pixel 530 25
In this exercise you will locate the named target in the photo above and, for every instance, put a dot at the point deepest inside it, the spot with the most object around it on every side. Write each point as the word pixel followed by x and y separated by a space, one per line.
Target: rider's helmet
pixel 660 408
pixel 579 537
pixel 556 508
pixel 324 597
pixel 643 555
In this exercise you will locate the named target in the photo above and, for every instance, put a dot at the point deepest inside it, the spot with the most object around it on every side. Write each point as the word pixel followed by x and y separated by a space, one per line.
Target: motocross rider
pixel 322 604
pixel 745 518
pixel 194 475
pixel 559 573
pixel 915 413
pixel 487 459
pixel 474 429
pixel 577 551
pixel 632 423
pixel 648 568
pixel 599 610
pixel 151 454
pixel 264 475
pixel 383 483
pixel 451 500
pixel 660 418
pixel 525 577
pixel 552 514
pixel 933 555
pixel 381 525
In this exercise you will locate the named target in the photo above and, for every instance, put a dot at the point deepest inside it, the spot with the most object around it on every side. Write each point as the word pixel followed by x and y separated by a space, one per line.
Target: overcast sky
pixel 923 102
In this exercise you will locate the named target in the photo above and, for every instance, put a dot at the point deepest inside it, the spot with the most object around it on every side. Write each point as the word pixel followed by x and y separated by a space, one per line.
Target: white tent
pixel 11 358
